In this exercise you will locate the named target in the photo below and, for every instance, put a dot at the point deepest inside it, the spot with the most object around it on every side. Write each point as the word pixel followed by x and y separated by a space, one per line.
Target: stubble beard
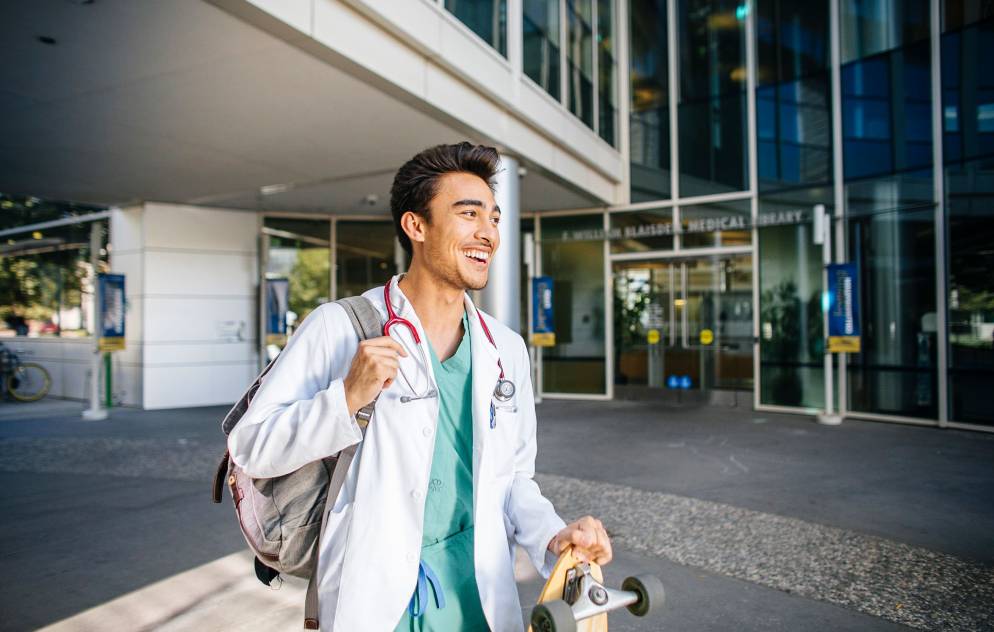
pixel 452 275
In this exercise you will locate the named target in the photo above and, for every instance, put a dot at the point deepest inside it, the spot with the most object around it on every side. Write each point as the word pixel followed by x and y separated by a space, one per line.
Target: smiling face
pixel 459 239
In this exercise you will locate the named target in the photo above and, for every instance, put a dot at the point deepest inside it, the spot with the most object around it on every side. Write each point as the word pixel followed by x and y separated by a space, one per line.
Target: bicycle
pixel 24 381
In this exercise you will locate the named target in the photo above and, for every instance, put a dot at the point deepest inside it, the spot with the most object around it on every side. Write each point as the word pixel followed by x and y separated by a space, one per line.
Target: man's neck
pixel 439 307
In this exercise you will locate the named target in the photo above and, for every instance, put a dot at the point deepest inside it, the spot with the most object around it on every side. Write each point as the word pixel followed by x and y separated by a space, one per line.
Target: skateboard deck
pixel 554 586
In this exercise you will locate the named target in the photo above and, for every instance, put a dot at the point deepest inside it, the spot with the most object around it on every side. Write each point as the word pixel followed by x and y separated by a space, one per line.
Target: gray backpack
pixel 282 518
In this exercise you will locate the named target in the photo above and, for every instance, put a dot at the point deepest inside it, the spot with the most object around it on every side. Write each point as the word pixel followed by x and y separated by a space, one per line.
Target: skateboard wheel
pixel 553 616
pixel 649 589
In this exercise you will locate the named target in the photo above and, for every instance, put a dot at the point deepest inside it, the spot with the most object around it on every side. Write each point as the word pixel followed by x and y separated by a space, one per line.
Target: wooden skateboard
pixel 574 599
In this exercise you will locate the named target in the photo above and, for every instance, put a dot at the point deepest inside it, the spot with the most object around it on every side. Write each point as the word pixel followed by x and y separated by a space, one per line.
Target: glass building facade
pixel 742 118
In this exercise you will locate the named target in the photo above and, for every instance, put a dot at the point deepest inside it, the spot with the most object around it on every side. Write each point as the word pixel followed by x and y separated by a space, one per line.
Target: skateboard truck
pixel 585 597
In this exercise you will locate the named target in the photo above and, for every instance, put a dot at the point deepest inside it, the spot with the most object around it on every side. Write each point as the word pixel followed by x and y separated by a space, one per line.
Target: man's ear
pixel 414 226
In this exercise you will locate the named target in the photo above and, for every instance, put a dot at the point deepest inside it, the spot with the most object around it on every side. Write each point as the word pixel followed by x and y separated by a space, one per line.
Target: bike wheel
pixel 28 382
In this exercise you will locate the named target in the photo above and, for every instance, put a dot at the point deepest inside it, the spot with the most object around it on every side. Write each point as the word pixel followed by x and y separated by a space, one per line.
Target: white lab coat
pixel 368 564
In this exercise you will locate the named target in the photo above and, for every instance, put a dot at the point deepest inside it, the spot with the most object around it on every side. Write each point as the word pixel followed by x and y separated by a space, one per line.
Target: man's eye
pixel 495 220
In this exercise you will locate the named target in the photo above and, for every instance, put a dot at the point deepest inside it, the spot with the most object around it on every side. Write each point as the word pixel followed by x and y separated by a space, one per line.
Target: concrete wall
pixel 191 289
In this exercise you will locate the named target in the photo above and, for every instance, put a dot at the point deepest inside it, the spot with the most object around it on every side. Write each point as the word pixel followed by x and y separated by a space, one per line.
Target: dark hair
pixel 416 183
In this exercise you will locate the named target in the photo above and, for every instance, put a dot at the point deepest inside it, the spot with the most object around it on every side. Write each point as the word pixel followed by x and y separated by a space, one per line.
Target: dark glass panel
pixel 716 224
pixel 606 70
pixel 970 211
pixel 874 26
pixel 580 57
pixel 649 127
pixel 540 34
pixel 486 18
pixel 968 92
pixel 892 241
pixel 712 108
pixel 639 231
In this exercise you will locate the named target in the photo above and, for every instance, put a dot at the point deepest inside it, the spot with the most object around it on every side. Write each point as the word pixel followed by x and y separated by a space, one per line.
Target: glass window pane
pixel 892 241
pixel 717 224
pixel 790 317
pixel 968 92
pixel 46 280
pixel 606 70
pixel 958 13
pixel 486 18
pixel 299 251
pixel 712 105
pixel 364 256
pixel 580 58
pixel 874 26
pixel 886 113
pixel 576 364
pixel 540 35
pixel 970 212
pixel 640 231
pixel 649 126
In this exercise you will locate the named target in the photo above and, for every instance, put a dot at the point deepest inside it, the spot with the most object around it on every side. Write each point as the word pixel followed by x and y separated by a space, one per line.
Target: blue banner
pixel 543 323
pixel 110 320
pixel 277 304
pixel 843 308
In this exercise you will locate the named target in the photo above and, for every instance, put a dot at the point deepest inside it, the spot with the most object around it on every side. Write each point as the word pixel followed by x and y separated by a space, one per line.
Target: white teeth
pixel 480 255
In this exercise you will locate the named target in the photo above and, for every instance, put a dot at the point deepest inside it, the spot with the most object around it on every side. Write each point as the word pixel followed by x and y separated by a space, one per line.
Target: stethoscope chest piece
pixel 504 390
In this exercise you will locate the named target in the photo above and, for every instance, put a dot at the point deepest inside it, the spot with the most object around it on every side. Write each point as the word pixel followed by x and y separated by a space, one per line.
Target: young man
pixel 422 535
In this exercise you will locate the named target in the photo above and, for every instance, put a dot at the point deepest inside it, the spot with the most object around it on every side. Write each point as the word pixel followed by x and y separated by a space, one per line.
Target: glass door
pixel 296 277
pixel 683 325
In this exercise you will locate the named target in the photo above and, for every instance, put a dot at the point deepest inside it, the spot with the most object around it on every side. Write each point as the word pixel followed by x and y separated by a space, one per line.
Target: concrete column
pixel 502 296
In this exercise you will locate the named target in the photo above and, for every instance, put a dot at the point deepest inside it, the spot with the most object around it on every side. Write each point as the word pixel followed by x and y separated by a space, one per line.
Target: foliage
pixel 309 281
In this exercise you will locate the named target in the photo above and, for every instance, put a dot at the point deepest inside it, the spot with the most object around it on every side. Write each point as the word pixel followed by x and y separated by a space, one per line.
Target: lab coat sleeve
pixel 534 518
pixel 299 414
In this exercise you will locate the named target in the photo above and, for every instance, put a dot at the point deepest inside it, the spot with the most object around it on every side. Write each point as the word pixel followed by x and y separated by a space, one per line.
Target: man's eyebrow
pixel 474 203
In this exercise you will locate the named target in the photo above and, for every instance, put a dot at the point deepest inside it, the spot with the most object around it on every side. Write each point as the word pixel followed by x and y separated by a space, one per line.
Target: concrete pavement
pixel 753 521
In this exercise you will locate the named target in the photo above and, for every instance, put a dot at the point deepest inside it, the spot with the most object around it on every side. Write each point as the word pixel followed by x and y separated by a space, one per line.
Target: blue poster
pixel 843 308
pixel 277 304
pixel 110 320
pixel 543 324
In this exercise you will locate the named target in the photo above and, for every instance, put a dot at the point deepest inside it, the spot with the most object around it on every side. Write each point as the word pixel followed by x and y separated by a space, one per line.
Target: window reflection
pixel 580 59
pixel 364 256
pixel 575 261
pixel 712 105
pixel 649 126
pixel 968 92
pixel 540 25
pixel 892 240
pixel 486 18
pixel 793 104
pixel 874 26
pixel 606 70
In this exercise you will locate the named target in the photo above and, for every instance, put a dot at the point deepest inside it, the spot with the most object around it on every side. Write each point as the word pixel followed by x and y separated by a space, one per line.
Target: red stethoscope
pixel 504 390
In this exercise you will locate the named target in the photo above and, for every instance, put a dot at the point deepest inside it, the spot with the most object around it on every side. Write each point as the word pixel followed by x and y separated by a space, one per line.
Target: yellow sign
pixel 843 344
pixel 276 339
pixel 653 336
pixel 111 344
pixel 544 340
pixel 707 336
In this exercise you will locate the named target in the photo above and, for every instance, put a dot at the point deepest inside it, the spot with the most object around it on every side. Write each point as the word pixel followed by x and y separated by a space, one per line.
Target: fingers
pixel 589 539
pixel 383 342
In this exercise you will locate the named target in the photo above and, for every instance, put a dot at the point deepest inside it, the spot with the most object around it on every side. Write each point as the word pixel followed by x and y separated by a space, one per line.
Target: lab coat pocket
pixel 503 441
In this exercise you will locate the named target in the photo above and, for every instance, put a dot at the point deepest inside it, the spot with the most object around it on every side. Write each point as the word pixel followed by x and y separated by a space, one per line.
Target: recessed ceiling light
pixel 45 39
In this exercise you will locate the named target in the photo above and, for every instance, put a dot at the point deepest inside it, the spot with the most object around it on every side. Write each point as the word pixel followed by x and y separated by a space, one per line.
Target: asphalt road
pixel 92 511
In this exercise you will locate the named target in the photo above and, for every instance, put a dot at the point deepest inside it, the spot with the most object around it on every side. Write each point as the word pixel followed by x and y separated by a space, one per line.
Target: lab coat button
pixel 411 557
pixel 426 431
pixel 416 494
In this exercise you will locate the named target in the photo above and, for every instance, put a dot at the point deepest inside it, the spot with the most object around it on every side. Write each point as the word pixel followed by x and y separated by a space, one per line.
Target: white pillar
pixel 502 296
pixel 95 412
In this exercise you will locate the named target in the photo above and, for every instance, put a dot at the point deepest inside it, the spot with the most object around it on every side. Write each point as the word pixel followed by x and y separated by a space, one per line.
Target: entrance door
pixel 683 325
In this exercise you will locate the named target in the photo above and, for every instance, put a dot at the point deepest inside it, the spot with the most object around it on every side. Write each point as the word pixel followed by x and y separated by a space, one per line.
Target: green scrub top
pixel 447 543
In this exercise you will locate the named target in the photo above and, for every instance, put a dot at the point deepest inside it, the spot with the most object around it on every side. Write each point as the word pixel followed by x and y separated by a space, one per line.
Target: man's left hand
pixel 589 540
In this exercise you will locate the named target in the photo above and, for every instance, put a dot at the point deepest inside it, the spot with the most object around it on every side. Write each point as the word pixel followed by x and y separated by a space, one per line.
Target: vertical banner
pixel 277 304
pixel 543 325
pixel 110 319
pixel 843 308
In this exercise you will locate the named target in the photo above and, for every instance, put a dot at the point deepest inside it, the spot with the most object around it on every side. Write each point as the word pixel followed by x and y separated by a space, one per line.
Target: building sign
pixel 697 225
pixel 110 296
pixel 843 308
pixel 543 325
pixel 277 304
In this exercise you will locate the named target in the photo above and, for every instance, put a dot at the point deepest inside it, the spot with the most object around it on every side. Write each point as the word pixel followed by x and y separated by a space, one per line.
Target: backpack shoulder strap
pixel 365 319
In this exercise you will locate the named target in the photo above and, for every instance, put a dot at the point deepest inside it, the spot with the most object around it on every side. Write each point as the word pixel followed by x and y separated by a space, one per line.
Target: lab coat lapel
pixel 485 374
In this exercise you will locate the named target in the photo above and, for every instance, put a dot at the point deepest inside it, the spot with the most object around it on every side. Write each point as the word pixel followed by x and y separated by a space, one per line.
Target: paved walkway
pixel 753 521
